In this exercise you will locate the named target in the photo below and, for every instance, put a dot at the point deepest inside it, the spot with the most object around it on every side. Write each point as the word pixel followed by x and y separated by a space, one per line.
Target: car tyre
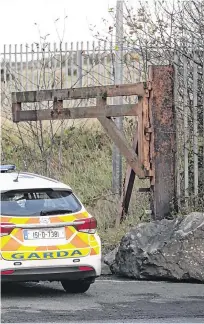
pixel 75 287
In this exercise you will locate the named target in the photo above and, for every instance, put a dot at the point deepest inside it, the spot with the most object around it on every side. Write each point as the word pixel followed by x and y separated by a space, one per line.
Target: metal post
pixel 117 157
pixel 186 131
pixel 178 128
pixel 79 68
pixel 195 124
pixel 161 105
pixel 203 118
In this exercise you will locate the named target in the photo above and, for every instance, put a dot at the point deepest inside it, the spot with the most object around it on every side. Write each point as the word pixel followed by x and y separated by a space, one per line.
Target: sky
pixel 19 18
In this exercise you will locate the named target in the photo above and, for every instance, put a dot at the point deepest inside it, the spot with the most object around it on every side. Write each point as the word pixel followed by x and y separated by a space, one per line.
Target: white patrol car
pixel 46 233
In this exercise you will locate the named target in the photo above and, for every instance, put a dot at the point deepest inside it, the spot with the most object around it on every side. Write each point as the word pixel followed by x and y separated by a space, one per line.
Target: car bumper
pixel 51 270
pixel 49 274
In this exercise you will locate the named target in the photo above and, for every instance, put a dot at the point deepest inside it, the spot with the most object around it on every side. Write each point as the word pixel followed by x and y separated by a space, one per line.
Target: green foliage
pixel 86 165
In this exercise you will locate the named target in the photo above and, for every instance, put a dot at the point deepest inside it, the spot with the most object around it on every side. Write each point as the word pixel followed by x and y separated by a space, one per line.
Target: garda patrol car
pixel 46 233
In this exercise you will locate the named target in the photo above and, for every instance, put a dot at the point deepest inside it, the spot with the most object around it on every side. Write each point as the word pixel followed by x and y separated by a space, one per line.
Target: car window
pixel 33 202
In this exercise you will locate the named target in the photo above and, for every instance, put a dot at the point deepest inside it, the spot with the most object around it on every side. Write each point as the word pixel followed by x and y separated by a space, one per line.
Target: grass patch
pixel 81 157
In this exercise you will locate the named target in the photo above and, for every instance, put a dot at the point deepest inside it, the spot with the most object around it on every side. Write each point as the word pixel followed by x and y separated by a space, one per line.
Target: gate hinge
pixel 148 130
pixel 149 85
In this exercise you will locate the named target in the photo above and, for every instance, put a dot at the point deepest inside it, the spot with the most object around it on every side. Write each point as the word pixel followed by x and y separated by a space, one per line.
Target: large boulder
pixel 167 249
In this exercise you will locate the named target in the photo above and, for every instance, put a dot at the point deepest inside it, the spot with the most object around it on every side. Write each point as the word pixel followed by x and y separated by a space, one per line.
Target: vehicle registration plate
pixel 43 234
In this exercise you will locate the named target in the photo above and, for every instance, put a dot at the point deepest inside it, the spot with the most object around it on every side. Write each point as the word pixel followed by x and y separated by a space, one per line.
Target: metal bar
pixel 49 66
pixel 5 68
pixel 88 64
pixel 99 77
pixel 112 66
pixel 10 68
pixel 195 124
pixel 146 133
pixel 128 185
pixel 163 125
pixel 82 63
pixel 16 67
pixel 151 145
pixel 79 93
pixel 76 113
pixel 79 67
pixel 186 130
pixel 26 85
pixel 140 138
pixel 60 64
pixel 66 67
pixel 105 63
pixel 21 67
pixel 55 65
pixel 32 68
pixel 72 68
pixel 71 64
pixel 117 157
pixel 119 140
pixel 82 71
pixel 178 129
pixel 38 74
pixel 93 74
pixel 203 116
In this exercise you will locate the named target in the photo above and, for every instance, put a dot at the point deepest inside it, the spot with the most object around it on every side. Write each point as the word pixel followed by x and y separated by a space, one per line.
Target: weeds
pixel 86 167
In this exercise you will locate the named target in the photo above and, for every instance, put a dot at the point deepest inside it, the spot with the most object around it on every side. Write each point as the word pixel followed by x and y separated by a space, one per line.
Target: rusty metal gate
pixel 153 153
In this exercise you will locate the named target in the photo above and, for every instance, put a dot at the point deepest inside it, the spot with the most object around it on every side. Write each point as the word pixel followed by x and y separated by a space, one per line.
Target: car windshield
pixel 38 202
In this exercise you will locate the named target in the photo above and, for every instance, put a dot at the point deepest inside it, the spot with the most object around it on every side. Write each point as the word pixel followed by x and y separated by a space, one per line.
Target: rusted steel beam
pixel 120 141
pixel 163 143
pixel 128 185
pixel 76 113
pixel 140 137
pixel 79 93
pixel 146 132
pixel 124 148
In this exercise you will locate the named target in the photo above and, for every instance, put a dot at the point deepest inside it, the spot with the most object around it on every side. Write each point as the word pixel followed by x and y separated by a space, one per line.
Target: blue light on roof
pixel 7 168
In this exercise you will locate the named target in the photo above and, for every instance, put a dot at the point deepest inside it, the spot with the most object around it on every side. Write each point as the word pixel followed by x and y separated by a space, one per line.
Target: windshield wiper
pixel 55 211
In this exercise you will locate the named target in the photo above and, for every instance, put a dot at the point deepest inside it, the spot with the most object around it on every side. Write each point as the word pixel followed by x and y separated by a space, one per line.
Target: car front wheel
pixel 76 286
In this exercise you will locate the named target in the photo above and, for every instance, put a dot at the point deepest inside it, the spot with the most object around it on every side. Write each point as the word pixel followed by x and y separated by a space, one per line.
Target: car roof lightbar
pixel 7 168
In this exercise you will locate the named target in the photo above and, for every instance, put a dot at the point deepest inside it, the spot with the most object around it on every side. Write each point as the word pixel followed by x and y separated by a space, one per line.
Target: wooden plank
pixel 128 185
pixel 164 130
pixel 120 141
pixel 76 113
pixel 79 93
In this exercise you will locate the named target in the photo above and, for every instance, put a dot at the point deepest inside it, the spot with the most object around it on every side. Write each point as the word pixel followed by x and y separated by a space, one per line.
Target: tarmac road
pixel 108 300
